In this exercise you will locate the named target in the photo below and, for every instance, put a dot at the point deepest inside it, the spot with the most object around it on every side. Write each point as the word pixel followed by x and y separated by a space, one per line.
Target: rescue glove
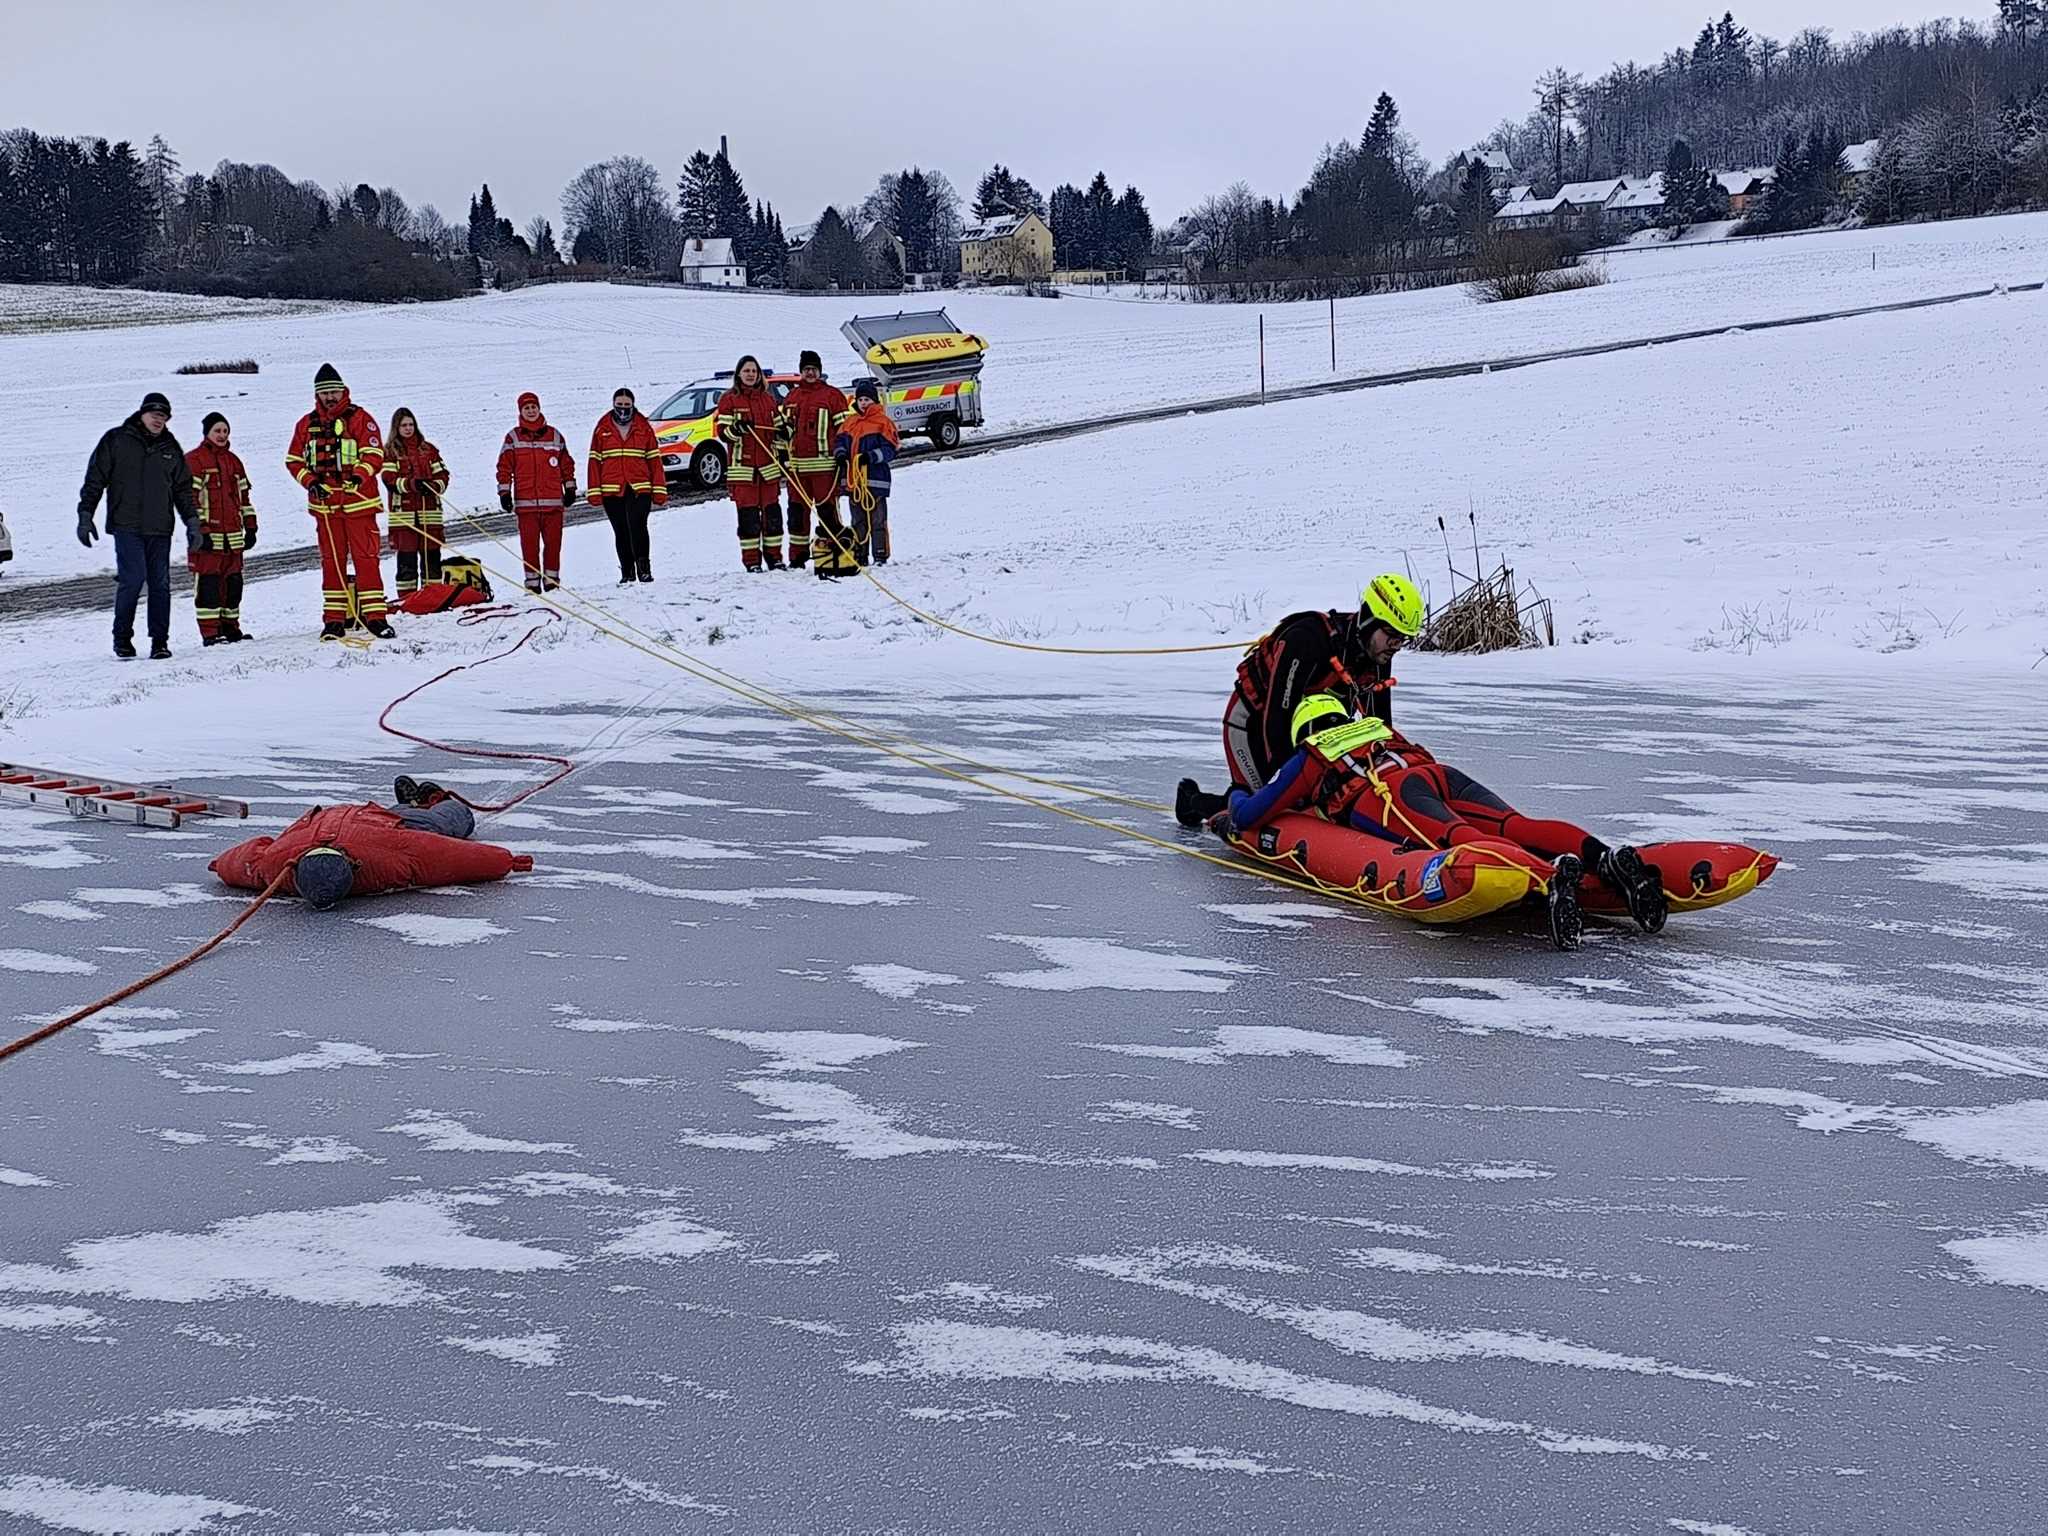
pixel 249 534
pixel 86 532
pixel 195 539
pixel 504 501
pixel 1224 826
pixel 568 496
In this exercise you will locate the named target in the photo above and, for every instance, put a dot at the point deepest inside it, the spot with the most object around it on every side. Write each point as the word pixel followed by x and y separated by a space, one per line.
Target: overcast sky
pixel 819 97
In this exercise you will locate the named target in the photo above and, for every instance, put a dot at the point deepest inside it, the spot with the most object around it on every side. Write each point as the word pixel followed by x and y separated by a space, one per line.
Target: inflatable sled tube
pixel 1428 885
pixel 1695 875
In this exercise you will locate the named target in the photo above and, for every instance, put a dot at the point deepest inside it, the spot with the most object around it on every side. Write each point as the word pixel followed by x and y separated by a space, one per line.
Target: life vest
pixel 1255 672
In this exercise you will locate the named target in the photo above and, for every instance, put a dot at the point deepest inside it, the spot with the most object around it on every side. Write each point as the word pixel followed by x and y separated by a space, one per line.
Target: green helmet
pixel 1315 713
pixel 1392 600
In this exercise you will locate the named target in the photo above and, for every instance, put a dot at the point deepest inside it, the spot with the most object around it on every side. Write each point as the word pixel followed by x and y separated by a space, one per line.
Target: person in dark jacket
pixel 141 471
pixel 865 445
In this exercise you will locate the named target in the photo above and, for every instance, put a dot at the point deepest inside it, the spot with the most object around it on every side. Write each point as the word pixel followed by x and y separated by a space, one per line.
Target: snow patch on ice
pixel 574 1018
pixel 1410 1261
pixel 625 1488
pixel 1335 1163
pixel 434 931
pixel 2007 1258
pixel 1083 964
pixel 167 896
pixel 834 1118
pixel 62 911
pixel 1214 1458
pixel 340 1256
pixel 939 1350
pixel 811 1050
pixel 668 1235
pixel 1272 1040
pixel 866 844
pixel 105 1509
pixel 2015 1135
pixel 525 1349
pixel 972 1297
pixel 39 962
pixel 40 1314
pixel 899 981
pixel 238 1419
pixel 317 1149
pixel 1176 1117
pixel 1274 914
pixel 444 1133
pixel 15 1178
pixel 327 1056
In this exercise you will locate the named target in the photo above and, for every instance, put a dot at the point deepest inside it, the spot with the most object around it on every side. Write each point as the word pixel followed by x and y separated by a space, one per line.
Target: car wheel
pixel 945 431
pixel 707 467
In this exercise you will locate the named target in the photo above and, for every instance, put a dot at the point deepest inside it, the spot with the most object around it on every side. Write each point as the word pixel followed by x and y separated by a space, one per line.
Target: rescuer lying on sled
pixel 361 850
pixel 1365 775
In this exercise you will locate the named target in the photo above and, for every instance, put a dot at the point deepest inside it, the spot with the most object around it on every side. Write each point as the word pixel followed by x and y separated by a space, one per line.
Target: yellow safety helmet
pixel 1393 601
pixel 1313 714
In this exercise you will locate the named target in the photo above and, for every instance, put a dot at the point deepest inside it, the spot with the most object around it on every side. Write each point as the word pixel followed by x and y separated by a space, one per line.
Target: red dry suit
pixel 387 854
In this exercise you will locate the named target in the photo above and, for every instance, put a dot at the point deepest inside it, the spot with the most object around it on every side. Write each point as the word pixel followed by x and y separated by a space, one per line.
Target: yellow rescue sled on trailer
pixel 927 370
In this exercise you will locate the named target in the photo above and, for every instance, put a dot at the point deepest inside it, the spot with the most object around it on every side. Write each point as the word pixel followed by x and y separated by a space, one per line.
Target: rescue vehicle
pixel 927 370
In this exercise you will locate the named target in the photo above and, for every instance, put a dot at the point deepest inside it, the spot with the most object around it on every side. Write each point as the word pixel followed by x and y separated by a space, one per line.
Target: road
pixel 832 1146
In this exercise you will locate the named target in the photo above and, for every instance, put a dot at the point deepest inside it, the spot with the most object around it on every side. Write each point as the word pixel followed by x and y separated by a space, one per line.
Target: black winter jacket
pixel 144 479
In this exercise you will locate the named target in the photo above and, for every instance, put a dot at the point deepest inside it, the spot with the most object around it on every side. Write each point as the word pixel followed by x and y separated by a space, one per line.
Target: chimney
pixel 721 148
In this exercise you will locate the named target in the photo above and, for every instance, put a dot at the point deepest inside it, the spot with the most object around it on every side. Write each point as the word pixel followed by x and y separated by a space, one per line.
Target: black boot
pixel 646 571
pixel 1638 884
pixel 1567 922
pixel 1193 808
pixel 335 630
pixel 407 790
pixel 125 649
pixel 627 578
pixel 159 650
pixel 380 628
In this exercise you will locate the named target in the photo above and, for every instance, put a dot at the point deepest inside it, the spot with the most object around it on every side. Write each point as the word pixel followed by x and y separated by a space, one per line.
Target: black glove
pixel 568 496
pixel 504 501
pixel 840 455
pixel 86 532
pixel 249 534
pixel 1223 826
pixel 196 541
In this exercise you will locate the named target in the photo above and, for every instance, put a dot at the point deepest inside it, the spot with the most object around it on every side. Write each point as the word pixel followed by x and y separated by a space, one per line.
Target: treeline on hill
pixel 1959 111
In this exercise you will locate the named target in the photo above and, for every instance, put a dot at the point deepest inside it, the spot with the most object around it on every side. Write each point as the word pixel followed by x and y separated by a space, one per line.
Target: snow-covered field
pixel 461 365
pixel 52 307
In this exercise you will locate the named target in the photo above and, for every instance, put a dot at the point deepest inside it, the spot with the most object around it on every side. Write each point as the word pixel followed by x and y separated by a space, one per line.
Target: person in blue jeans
pixel 140 469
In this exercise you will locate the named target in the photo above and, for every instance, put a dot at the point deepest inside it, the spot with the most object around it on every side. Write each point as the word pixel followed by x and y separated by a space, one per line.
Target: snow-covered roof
pixel 994 229
pixel 1647 193
pixel 1589 194
pixel 1859 158
pixel 1495 160
pixel 699 252
pixel 1529 208
pixel 1514 194
pixel 1736 183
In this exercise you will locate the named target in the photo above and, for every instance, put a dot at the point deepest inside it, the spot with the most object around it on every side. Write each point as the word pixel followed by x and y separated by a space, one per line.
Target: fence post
pixel 1333 333
pixel 1262 357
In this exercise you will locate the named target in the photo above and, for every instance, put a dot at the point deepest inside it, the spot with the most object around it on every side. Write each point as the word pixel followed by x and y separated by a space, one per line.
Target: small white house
pixel 711 264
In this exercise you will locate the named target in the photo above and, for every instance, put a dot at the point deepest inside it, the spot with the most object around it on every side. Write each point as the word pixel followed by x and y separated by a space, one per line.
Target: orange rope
pixel 58 1026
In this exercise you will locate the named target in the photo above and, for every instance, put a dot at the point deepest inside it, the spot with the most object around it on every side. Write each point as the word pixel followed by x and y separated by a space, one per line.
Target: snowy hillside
pixel 461 365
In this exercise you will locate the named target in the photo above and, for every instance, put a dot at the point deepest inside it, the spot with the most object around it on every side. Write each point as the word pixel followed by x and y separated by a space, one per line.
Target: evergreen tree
pixel 161 174
pixel 1000 192
pixel 832 255
pixel 1133 232
pixel 365 206
pixel 1691 194
pixel 697 198
pixel 1475 198
pixel 1072 236
pixel 731 213
pixel 484 237
pixel 915 219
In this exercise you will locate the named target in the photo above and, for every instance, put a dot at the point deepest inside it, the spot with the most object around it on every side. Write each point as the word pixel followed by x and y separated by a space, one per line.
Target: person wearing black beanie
pixel 140 470
pixel 227 529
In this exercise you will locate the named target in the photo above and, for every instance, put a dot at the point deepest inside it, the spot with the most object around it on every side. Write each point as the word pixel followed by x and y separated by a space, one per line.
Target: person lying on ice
pixel 361 850
pixel 1365 775
pixel 1350 655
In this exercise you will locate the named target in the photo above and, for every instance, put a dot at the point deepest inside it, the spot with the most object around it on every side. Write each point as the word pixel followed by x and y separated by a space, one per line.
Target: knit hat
pixel 526 397
pixel 206 422
pixel 327 378
pixel 153 402
pixel 809 359
pixel 322 877
pixel 865 390
pixel 622 390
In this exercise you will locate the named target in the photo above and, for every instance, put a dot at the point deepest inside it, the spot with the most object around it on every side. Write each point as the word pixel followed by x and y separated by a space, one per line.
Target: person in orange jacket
pixel 744 420
pixel 811 412
pixel 337 455
pixel 337 851
pixel 626 478
pixel 227 527
pixel 416 481
pixel 536 483
pixel 866 445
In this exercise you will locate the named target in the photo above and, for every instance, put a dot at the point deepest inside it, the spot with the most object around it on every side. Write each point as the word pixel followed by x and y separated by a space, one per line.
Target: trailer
pixel 927 370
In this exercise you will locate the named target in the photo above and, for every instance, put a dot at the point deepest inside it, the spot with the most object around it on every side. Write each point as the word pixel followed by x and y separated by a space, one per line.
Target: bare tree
pixel 394 214
pixel 1557 96
pixel 435 232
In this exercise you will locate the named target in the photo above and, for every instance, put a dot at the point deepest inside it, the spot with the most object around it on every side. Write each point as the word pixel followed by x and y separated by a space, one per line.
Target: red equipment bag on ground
pixel 440 596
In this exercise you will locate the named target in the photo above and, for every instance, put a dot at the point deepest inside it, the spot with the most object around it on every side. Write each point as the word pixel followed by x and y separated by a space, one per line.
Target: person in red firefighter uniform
pixel 337 455
pixel 626 479
pixel 811 414
pixel 744 420
pixel 536 483
pixel 361 850
pixel 227 528
pixel 416 480
pixel 1365 775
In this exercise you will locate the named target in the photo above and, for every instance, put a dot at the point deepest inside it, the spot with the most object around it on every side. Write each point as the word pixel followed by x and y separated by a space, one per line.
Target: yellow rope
pixel 570 602
pixel 857 477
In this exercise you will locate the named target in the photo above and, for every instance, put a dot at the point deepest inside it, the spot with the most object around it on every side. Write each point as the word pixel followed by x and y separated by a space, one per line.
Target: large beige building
pixel 1005 249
